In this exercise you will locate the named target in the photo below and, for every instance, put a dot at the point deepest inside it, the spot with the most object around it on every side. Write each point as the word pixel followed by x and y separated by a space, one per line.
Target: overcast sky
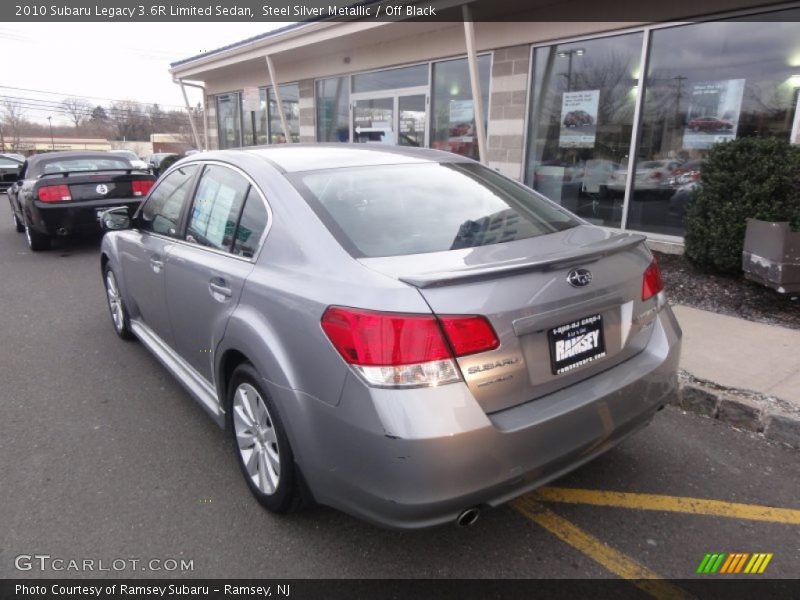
pixel 105 61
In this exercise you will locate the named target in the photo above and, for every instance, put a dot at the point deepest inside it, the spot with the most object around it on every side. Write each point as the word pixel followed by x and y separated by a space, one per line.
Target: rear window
pixel 85 164
pixel 130 155
pixel 8 163
pixel 395 210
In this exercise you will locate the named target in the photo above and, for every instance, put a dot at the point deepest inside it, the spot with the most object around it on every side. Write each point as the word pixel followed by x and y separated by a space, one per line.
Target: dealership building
pixel 612 120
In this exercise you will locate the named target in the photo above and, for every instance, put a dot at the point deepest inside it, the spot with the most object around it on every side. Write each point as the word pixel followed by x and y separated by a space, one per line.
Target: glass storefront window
pixel 228 113
pixel 254 122
pixel 582 102
pixel 452 114
pixel 290 94
pixel 333 110
pixel 390 79
pixel 707 83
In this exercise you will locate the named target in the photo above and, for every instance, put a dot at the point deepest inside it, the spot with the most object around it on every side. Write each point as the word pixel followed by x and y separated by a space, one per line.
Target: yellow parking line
pixel 694 506
pixel 621 565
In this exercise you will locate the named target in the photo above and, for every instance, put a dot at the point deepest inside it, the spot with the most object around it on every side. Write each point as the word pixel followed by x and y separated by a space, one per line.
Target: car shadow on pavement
pixel 77 244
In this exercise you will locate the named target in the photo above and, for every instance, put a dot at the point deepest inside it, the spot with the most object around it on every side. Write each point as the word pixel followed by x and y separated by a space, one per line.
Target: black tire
pixel 37 242
pixel 122 325
pixel 18 225
pixel 286 496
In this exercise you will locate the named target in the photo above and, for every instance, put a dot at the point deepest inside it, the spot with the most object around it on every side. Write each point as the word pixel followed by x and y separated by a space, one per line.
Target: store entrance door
pixel 396 118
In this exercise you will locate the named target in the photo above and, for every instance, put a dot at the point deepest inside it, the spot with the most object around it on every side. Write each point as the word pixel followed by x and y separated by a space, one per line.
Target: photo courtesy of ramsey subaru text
pixel 402 334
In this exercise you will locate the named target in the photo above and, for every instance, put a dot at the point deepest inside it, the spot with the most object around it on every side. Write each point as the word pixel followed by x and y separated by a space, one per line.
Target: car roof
pixel 293 158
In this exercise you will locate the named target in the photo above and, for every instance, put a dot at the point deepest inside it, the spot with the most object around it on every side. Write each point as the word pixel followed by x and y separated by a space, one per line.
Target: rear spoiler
pixel 93 171
pixel 559 260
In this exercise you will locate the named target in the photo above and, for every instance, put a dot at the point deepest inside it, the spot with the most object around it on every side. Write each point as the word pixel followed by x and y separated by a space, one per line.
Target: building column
pixel 510 73
pixel 306 104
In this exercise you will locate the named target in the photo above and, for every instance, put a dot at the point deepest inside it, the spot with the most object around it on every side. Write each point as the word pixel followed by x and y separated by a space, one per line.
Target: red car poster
pixel 579 119
pixel 713 114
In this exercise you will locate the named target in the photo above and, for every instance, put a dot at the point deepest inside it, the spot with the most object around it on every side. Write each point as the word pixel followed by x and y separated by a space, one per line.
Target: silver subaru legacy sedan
pixel 402 334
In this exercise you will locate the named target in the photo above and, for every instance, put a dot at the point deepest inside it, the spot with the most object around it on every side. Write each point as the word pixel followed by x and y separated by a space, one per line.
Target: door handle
pixel 157 264
pixel 219 289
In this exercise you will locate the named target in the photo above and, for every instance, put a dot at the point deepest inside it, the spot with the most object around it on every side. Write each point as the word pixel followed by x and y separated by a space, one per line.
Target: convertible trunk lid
pixel 565 306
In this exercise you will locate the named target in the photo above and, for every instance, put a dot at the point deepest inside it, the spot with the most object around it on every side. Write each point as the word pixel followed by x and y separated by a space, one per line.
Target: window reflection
pixel 228 120
pixel 708 83
pixel 333 110
pixel 582 101
pixel 290 94
pixel 453 116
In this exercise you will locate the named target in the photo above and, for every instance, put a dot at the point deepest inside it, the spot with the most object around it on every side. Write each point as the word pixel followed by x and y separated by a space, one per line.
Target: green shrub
pixel 168 162
pixel 747 177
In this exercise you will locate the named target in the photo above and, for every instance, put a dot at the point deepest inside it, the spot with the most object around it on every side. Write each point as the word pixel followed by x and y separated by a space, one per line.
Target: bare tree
pixel 13 120
pixel 79 110
pixel 129 120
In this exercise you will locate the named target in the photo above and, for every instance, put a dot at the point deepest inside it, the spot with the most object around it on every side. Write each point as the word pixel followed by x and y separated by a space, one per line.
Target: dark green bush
pixel 168 162
pixel 747 177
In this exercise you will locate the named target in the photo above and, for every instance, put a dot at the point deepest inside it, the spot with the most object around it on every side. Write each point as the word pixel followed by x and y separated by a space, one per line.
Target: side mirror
pixel 115 219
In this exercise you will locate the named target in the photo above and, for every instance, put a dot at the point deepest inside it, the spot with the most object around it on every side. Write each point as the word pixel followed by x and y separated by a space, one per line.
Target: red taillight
pixel 651 282
pixel 140 187
pixel 396 349
pixel 383 339
pixel 656 175
pixel 54 193
pixel 469 335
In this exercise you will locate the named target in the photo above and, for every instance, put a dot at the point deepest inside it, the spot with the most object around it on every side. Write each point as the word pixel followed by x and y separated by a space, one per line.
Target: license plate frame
pixel 583 343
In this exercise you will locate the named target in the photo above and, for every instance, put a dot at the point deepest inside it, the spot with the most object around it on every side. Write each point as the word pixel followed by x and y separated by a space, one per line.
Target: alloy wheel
pixel 256 439
pixel 114 301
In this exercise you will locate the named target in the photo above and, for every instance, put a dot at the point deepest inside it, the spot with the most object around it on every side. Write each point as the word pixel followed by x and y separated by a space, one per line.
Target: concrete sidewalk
pixel 742 372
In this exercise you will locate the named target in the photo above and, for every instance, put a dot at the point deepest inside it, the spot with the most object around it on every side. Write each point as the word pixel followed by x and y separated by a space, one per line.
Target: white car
pixel 650 174
pixel 136 162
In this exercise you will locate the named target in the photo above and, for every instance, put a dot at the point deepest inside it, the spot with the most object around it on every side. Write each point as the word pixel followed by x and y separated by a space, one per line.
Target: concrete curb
pixel 776 419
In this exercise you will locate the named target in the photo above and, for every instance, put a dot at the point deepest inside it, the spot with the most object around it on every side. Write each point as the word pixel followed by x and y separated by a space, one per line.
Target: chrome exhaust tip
pixel 468 517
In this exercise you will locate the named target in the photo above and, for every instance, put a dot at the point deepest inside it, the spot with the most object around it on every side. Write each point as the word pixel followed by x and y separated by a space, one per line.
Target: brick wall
pixel 506 129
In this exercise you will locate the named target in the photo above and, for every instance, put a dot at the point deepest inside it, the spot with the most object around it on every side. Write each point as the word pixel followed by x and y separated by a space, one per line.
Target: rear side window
pixel 251 226
pixel 216 208
pixel 394 210
pixel 162 210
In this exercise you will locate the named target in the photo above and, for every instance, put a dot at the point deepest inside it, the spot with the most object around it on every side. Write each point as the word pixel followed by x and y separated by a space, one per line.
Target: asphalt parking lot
pixel 104 456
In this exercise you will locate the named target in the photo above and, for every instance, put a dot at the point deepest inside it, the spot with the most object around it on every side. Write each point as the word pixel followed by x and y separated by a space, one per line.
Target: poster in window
pixel 251 99
pixel 579 119
pixel 713 115
pixel 461 111
pixel 218 223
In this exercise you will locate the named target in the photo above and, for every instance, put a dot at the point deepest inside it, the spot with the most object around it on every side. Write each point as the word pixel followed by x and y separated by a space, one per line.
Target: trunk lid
pixel 98 186
pixel 549 329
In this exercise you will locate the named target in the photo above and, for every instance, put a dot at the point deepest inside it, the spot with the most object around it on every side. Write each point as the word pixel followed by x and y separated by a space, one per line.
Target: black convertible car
pixel 60 193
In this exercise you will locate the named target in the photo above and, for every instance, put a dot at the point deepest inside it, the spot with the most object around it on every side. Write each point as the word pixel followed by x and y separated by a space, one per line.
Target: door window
pixel 373 121
pixel 161 212
pixel 217 205
pixel 251 226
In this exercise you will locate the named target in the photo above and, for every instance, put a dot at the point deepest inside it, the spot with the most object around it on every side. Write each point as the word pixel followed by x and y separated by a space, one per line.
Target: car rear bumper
pixel 74 217
pixel 407 483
